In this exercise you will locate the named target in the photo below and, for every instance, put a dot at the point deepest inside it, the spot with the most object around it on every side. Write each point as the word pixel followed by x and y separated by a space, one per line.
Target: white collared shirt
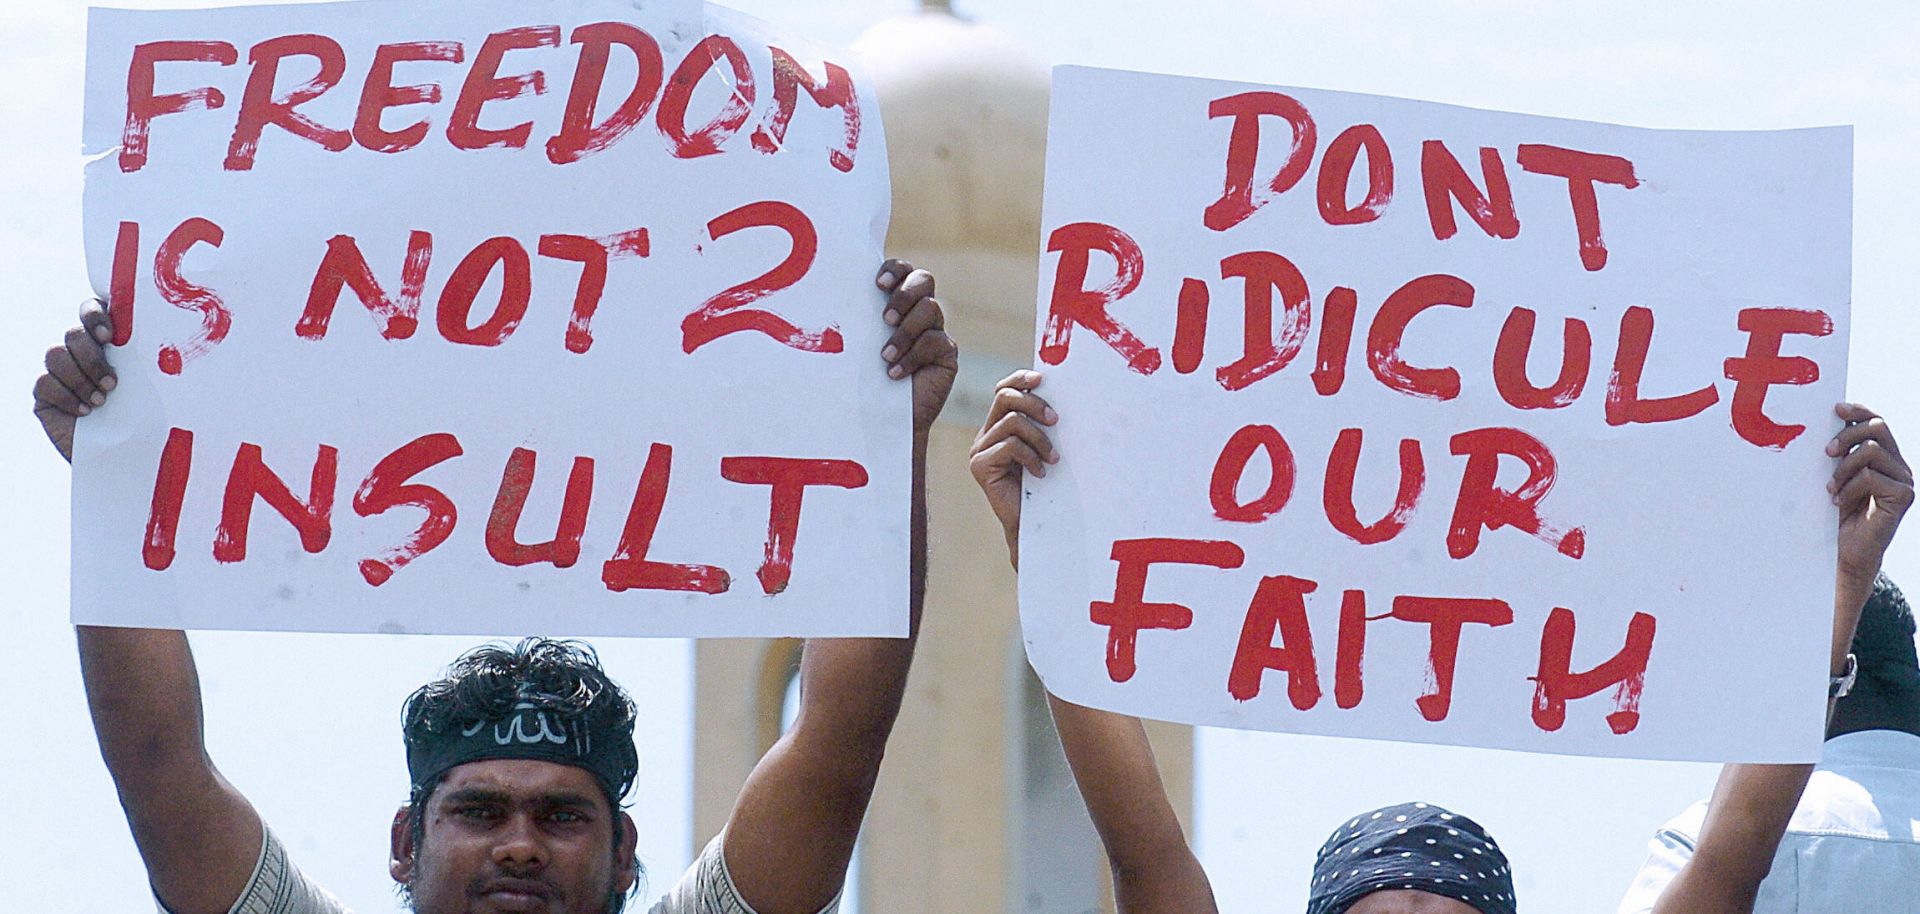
pixel 1852 847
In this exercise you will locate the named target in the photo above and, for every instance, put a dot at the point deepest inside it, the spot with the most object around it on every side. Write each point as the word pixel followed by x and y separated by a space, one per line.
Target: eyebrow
pixel 476 795
pixel 568 798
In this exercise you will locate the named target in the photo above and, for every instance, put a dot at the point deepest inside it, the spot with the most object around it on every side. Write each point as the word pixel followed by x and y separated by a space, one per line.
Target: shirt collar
pixel 1872 749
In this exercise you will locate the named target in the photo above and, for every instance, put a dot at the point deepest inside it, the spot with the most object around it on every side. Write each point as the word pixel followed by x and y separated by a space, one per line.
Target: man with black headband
pixel 1843 837
pixel 520 756
pixel 1414 857
pixel 1154 869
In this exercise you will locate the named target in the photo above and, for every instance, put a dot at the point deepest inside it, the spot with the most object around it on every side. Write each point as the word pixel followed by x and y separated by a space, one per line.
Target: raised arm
pixel 1752 804
pixel 1154 871
pixel 792 832
pixel 199 837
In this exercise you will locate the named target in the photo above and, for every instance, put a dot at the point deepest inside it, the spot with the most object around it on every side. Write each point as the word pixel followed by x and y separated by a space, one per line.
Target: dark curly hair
pixel 564 678
pixel 1886 693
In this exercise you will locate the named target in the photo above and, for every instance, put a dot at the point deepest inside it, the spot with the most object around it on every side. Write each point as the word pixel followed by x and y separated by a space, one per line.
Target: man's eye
pixel 567 817
pixel 476 813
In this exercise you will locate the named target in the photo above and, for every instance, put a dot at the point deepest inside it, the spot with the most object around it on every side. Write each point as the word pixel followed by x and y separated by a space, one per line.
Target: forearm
pixel 793 829
pixel 1850 593
pixel 144 695
pixel 851 688
pixel 1154 870
pixel 1746 818
pixel 1753 804
pixel 1113 763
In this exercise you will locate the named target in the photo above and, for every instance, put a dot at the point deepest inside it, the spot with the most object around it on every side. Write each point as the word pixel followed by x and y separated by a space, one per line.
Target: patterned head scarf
pixel 1416 846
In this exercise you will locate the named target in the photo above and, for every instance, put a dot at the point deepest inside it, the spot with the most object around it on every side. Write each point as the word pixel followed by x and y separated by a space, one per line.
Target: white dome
pixel 965 109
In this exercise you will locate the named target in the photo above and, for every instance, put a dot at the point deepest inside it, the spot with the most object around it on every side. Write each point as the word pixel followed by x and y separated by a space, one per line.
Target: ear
pixel 624 852
pixel 401 850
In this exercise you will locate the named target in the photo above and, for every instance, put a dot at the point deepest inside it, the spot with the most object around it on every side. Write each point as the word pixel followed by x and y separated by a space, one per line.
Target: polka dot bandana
pixel 1411 846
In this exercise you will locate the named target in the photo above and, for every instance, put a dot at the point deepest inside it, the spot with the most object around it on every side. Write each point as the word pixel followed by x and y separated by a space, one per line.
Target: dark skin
pixel 516 835
pixel 1409 901
pixel 1752 804
pixel 1155 871
pixel 790 837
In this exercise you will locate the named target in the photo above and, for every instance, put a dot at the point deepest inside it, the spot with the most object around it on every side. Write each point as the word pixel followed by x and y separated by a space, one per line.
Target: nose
pixel 520 847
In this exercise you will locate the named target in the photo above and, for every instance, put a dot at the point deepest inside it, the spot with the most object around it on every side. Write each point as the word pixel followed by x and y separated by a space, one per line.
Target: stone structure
pixel 975 810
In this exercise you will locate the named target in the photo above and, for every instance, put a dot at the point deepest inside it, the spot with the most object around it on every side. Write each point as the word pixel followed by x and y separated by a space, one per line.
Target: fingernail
pixel 84 409
pixel 1051 416
pixel 109 382
pixel 1041 472
pixel 887 280
pixel 1053 457
pixel 896 372
pixel 102 334
pixel 892 318
pixel 97 398
pixel 890 353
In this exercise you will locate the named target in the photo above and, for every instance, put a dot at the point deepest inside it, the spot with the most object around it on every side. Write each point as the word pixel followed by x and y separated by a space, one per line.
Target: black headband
pixel 529 731
pixel 1416 846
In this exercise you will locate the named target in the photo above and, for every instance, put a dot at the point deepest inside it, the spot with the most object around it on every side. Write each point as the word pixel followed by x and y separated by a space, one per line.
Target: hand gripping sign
pixel 1392 419
pixel 487 316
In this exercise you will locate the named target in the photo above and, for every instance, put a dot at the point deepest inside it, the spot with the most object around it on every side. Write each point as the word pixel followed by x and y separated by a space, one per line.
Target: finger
pixel 925 316
pixel 1870 455
pixel 1015 425
pixel 1863 424
pixel 1857 431
pixel 890 273
pixel 1879 487
pixel 97 318
pixel 932 348
pixel 91 358
pixel 61 367
pixel 917 285
pixel 1004 456
pixel 1024 379
pixel 1013 400
pixel 59 428
pixel 49 392
pixel 1854 412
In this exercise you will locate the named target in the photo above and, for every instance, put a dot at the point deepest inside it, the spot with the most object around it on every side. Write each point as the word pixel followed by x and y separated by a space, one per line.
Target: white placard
pixel 1327 467
pixel 488 316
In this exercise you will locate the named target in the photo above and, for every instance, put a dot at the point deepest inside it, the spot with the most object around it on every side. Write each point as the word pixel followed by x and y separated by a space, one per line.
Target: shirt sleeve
pixel 1667 853
pixel 278 887
pixel 707 888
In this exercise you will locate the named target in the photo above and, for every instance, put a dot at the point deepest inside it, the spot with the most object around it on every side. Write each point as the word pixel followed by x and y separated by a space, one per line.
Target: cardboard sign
pixel 1392 419
pixel 486 316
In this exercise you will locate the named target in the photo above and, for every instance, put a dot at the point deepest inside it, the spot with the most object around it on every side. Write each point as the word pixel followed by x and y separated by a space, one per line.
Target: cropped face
pixel 1409 901
pixel 516 835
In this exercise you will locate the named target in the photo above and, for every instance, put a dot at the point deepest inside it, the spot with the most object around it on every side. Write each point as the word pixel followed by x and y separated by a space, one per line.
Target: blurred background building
pixel 976 810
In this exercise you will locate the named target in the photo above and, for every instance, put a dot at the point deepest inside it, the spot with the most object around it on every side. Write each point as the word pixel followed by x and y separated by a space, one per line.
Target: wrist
pixel 1858 573
pixel 1840 678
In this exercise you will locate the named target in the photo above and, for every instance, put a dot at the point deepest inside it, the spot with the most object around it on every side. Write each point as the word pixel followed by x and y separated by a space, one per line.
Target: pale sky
pixel 1575 828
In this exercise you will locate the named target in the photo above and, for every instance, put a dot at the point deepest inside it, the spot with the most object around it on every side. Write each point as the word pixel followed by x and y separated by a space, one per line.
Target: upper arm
pixel 200 845
pixel 200 839
pixel 791 836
